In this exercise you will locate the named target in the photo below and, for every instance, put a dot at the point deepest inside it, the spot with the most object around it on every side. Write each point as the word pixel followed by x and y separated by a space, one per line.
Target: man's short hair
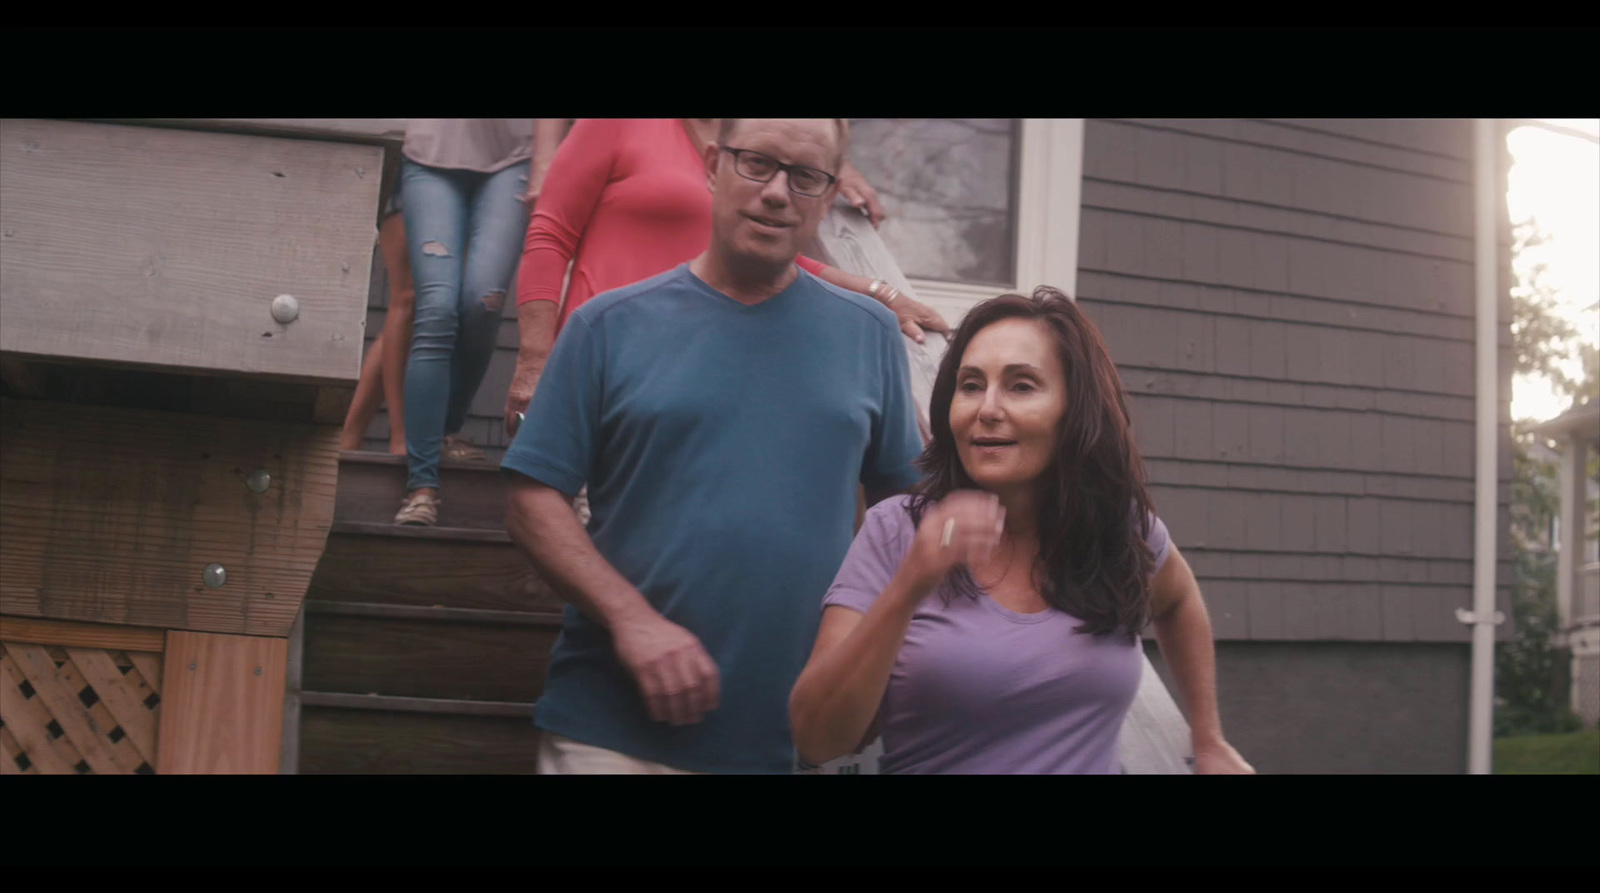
pixel 841 129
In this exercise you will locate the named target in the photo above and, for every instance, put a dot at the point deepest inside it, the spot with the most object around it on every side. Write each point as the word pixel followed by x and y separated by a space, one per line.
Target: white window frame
pixel 1049 205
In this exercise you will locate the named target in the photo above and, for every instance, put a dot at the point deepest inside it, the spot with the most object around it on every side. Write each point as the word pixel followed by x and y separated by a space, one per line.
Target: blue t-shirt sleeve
pixel 555 444
pixel 896 441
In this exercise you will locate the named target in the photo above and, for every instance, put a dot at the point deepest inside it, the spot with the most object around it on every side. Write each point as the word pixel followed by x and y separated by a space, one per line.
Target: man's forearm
pixel 541 522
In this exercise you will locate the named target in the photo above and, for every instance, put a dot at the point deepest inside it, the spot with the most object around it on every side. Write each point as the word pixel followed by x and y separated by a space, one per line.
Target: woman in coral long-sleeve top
pixel 624 200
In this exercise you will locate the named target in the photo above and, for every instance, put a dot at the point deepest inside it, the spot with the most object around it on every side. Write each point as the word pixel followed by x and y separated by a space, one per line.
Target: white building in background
pixel 1578 555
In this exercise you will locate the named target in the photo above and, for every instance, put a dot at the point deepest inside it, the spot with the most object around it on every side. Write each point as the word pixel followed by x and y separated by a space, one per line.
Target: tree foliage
pixel 1531 674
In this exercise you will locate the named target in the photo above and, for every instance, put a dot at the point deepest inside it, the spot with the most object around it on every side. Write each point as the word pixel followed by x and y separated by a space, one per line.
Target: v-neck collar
pixel 769 305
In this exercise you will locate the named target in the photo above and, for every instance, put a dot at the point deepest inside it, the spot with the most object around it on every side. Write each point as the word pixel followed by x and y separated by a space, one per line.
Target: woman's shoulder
pixel 1156 536
pixel 890 517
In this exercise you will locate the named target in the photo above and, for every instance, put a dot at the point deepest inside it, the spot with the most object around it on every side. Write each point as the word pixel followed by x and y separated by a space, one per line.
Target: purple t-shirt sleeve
pixel 1160 542
pixel 885 537
pixel 874 556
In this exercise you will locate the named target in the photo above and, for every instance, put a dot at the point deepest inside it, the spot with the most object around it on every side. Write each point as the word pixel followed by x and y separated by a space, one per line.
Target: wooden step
pixel 432 706
pixel 384 563
pixel 426 658
pixel 344 741
pixel 371 485
pixel 419 532
pixel 422 649
pixel 410 689
pixel 437 613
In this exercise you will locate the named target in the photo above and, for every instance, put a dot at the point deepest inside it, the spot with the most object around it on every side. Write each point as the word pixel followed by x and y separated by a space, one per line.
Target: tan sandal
pixel 460 449
pixel 420 509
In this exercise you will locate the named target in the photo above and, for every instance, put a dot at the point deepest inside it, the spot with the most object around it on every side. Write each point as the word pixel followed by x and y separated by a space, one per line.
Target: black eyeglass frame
pixel 779 167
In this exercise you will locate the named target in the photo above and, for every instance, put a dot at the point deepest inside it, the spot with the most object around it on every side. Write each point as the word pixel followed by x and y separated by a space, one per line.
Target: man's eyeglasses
pixel 807 181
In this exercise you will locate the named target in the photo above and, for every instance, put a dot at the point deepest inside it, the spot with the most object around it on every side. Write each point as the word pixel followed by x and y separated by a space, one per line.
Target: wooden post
pixel 223 704
pixel 289 762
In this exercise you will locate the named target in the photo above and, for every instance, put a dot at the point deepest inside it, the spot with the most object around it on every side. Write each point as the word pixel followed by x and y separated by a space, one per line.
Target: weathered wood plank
pixel 409 532
pixel 138 722
pixel 353 742
pixel 414 658
pixel 438 613
pixel 27 718
pixel 77 696
pixel 86 635
pixel 468 575
pixel 166 248
pixel 125 536
pixel 329 405
pixel 371 488
pixel 123 751
pixel 289 757
pixel 438 706
pixel 98 383
pixel 57 688
pixel 149 667
pixel 222 710
pixel 19 378
pixel 10 750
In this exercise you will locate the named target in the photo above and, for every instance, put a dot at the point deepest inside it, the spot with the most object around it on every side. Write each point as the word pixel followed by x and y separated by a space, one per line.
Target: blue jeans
pixel 464 232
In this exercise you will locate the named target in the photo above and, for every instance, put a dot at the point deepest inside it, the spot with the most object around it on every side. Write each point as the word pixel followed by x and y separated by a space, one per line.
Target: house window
pixel 978 206
pixel 950 187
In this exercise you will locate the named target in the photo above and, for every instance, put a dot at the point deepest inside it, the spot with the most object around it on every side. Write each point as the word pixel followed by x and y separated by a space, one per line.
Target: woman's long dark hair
pixel 1094 513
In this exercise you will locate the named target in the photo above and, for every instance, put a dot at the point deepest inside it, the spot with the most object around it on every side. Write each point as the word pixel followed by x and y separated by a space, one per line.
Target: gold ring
pixel 949 530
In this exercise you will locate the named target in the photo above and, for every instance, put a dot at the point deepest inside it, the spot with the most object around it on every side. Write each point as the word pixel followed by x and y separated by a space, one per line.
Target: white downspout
pixel 1482 617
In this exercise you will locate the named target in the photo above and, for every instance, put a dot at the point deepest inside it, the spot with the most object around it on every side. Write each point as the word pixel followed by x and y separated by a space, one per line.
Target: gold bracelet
pixel 893 293
pixel 876 286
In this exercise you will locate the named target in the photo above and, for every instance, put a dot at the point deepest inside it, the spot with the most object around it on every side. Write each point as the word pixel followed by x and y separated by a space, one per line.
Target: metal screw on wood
pixel 214 576
pixel 285 309
pixel 258 671
pixel 258 481
pixel 191 665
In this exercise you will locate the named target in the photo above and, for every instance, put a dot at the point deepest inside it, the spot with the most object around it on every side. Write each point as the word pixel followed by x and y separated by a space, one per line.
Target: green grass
pixel 1574 753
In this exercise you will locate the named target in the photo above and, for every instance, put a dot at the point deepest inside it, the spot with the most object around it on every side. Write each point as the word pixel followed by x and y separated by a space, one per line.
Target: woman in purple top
pixel 988 623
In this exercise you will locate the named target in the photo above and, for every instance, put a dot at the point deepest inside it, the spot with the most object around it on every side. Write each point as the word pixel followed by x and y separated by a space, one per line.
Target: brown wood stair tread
pixel 399 704
pixel 371 457
pixel 433 612
pixel 405 531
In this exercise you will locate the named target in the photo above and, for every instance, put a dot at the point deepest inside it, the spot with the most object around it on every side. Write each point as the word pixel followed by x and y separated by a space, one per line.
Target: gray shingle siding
pixel 1291 305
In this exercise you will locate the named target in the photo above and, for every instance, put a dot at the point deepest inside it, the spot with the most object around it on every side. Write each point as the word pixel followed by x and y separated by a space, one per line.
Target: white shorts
pixel 563 756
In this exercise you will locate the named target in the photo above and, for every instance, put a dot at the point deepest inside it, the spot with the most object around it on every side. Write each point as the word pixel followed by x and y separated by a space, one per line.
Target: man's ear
pixel 713 159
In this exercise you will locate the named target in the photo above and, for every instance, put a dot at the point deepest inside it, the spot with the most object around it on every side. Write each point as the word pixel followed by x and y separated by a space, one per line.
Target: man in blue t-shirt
pixel 721 415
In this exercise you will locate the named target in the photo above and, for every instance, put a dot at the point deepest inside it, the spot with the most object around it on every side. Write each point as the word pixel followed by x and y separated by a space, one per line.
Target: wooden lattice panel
pixel 66 710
